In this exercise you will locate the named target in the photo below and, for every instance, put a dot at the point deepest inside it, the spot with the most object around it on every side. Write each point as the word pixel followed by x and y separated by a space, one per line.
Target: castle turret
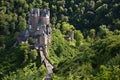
pixel 45 16
pixel 33 20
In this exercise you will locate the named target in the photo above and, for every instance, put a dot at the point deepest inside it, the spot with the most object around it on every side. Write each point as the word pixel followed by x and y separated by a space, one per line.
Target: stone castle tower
pixel 39 26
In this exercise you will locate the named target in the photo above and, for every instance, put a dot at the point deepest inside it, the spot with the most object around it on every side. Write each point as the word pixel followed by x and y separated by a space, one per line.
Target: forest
pixel 94 54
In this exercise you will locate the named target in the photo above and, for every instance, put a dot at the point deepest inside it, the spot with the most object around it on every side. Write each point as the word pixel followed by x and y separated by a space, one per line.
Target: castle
pixel 38 28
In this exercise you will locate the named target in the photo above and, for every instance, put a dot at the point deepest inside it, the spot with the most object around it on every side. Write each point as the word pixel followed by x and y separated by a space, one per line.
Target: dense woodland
pixel 94 54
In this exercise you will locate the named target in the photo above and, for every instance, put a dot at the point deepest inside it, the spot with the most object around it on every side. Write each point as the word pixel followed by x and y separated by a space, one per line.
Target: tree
pixel 66 27
pixel 78 37
pixel 22 24
pixel 92 33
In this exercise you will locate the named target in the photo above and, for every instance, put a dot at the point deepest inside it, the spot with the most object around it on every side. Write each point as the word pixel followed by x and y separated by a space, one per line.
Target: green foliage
pixel 104 31
pixel 106 49
pixel 108 73
pixel 22 24
pixel 2 41
pixel 93 55
pixel 78 37
pixel 33 55
pixel 60 48
pixel 97 62
pixel 92 33
pixel 16 57
pixel 30 72
pixel 27 54
pixel 66 27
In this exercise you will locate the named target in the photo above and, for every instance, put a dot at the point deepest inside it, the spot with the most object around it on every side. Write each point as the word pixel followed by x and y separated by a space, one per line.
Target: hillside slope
pixel 94 53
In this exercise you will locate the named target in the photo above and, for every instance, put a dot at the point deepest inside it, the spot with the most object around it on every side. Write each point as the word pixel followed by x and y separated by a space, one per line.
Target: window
pixel 38 28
